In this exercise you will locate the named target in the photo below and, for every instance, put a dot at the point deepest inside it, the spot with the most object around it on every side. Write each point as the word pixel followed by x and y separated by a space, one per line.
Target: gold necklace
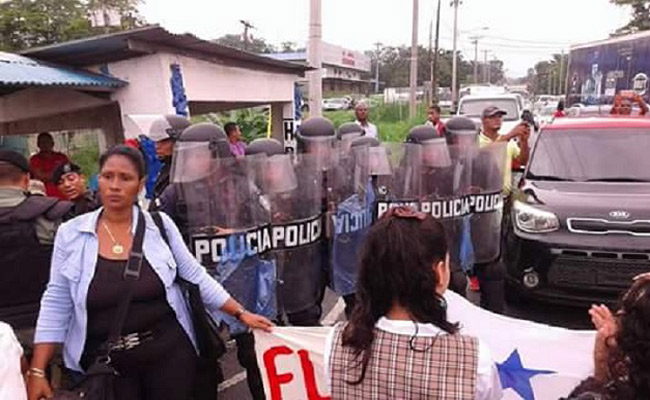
pixel 117 246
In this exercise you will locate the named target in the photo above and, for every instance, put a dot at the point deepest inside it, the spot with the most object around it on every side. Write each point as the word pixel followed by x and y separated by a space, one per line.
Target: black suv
pixel 579 223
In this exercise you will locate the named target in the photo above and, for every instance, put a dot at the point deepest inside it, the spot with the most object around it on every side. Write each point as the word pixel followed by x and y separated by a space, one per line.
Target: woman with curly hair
pixel 622 349
pixel 398 343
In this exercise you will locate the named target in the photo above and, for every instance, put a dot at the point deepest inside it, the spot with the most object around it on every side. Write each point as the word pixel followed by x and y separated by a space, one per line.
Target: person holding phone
pixel 518 148
pixel 623 103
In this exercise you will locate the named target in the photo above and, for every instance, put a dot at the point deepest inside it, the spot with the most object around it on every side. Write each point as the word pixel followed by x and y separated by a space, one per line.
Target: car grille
pixel 578 268
pixel 594 226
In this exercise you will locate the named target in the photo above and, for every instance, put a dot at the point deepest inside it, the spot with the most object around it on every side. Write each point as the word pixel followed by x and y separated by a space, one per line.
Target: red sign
pixel 349 58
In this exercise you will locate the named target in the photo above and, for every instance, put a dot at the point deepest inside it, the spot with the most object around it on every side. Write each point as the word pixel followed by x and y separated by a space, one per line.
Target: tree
pixel 127 9
pixel 545 76
pixel 288 47
pixel 30 23
pixel 394 67
pixel 640 15
pixel 255 45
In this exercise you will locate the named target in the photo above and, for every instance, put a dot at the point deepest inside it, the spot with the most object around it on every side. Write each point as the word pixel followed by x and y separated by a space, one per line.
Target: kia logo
pixel 619 214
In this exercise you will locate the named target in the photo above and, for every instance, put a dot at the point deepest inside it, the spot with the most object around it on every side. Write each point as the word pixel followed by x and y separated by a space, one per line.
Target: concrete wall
pixel 207 81
pixel 148 91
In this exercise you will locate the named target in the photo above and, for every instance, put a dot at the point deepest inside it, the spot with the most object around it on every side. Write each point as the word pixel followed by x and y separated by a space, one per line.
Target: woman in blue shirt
pixel 78 306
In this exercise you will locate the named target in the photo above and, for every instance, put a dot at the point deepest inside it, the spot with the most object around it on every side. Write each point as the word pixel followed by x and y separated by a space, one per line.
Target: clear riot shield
pixel 293 186
pixel 446 179
pixel 350 216
pixel 488 174
pixel 396 170
pixel 228 225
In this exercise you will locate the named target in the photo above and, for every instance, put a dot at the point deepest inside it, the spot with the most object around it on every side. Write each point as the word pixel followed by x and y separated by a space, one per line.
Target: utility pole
pixel 474 40
pixel 550 81
pixel 487 71
pixel 430 62
pixel 315 57
pixel 247 26
pixel 454 66
pixel 434 66
pixel 561 80
pixel 378 47
pixel 414 61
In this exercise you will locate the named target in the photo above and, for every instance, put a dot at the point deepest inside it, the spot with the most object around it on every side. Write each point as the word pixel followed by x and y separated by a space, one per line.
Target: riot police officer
pixel 485 167
pixel 165 132
pixel 437 185
pixel 317 179
pixel 170 201
pixel 212 200
pixel 292 189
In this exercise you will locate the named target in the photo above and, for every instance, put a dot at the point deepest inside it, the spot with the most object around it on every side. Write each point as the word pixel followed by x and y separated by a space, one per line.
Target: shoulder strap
pixel 131 274
pixel 157 219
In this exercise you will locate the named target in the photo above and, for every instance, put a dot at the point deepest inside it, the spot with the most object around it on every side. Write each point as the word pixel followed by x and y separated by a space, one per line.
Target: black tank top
pixel 148 309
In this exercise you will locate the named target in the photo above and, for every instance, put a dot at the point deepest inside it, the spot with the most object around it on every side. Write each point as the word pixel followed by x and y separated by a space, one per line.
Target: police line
pixel 456 207
pixel 218 248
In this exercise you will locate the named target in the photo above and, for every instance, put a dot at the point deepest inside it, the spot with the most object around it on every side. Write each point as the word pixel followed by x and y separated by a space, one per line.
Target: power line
pixel 541 42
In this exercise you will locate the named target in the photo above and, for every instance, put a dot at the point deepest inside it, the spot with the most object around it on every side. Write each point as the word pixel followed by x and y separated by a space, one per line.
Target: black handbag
pixel 99 380
pixel 211 346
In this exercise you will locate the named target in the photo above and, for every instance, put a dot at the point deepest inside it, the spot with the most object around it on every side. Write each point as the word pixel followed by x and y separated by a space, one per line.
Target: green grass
pixel 87 158
pixel 392 120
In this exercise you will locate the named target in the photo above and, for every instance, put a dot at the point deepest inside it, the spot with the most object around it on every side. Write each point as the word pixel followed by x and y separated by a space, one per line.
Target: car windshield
pixel 587 155
pixel 474 108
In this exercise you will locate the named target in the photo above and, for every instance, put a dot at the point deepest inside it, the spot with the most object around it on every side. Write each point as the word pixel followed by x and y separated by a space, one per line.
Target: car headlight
pixel 532 220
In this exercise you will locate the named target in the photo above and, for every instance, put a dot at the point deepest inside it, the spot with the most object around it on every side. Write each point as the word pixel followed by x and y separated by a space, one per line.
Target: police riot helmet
pixel 365 141
pixel 434 148
pixel 208 132
pixel 461 129
pixel 378 160
pixel 268 146
pixel 168 127
pixel 421 133
pixel 316 128
pixel 350 130
pixel 316 136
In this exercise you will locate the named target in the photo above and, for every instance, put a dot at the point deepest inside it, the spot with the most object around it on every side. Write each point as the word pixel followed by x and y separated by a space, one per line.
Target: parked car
pixel 336 104
pixel 578 229
pixel 472 107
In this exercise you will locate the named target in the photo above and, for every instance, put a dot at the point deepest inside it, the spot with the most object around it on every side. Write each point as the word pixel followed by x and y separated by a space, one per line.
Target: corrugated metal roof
pixel 123 45
pixel 294 56
pixel 20 71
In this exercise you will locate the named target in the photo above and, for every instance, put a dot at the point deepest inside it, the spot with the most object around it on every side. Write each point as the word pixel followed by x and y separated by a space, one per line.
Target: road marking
pixel 334 314
pixel 235 380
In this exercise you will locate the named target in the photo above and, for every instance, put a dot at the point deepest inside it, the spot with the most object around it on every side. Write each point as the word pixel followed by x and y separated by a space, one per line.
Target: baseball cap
pixel 491 111
pixel 64 169
pixel 14 158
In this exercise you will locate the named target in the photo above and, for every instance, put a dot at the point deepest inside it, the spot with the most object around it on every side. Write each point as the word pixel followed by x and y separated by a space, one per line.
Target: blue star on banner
pixel 513 375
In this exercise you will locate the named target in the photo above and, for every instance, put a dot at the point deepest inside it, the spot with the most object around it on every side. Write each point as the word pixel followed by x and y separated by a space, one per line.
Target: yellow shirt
pixel 513 151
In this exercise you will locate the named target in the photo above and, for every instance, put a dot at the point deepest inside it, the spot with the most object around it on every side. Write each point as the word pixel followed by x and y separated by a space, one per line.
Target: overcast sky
pixel 521 32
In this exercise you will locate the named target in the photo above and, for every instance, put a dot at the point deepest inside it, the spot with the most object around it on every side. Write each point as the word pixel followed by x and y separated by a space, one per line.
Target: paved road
pixel 234 388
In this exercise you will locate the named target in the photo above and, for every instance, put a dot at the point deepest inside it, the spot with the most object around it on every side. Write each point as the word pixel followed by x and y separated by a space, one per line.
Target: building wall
pixel 149 89
pixel 147 92
pixel 207 81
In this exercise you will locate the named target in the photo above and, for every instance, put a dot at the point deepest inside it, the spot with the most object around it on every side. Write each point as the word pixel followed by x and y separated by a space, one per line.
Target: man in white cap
pixel 361 112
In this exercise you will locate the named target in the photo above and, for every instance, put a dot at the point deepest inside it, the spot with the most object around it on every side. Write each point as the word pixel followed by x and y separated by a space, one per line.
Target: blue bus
pixel 599 70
